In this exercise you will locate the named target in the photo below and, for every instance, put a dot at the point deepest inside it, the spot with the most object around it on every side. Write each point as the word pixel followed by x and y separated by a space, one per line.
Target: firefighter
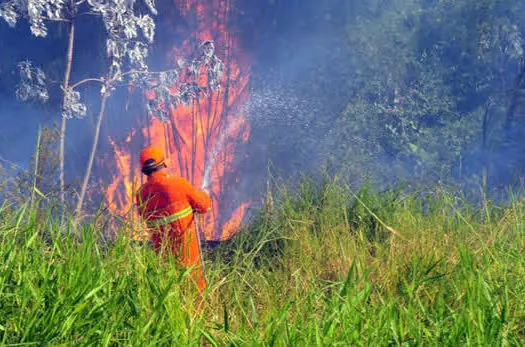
pixel 168 204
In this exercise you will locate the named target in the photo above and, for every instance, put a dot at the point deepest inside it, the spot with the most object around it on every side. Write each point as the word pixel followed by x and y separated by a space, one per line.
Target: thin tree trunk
pixel 484 145
pixel 35 172
pixel 178 141
pixel 92 154
pixel 67 75
pixel 194 129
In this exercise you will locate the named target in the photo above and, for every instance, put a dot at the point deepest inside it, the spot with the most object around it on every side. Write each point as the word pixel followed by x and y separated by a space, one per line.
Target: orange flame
pixel 191 137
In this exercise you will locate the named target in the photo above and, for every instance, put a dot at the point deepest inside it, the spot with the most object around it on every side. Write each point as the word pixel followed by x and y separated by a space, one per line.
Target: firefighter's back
pixel 165 200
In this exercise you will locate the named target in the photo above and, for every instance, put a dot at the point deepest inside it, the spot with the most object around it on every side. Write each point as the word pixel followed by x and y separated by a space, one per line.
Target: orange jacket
pixel 167 205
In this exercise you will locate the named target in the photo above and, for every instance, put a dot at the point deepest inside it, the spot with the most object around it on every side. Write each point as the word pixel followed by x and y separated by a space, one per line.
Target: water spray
pixel 206 180
pixel 205 184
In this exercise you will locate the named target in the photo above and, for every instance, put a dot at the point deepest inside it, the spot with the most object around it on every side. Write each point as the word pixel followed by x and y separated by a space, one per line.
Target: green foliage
pixel 397 89
pixel 320 270
pixel 428 85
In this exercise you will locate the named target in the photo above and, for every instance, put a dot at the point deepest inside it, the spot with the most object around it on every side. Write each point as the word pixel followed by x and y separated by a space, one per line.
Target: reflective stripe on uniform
pixel 174 217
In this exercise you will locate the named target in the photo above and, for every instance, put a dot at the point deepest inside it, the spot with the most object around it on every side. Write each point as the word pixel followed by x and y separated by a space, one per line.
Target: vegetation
pixel 129 35
pixel 123 41
pixel 320 268
pixel 418 89
pixel 432 91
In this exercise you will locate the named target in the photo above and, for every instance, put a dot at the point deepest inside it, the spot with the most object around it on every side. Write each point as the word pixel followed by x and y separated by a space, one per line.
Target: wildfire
pixel 203 134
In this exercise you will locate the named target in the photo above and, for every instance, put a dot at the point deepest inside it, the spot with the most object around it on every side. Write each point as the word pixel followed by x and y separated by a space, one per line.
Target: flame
pixel 211 126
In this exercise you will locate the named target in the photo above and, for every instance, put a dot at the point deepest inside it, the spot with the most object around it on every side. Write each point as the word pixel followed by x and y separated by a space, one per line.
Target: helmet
pixel 151 158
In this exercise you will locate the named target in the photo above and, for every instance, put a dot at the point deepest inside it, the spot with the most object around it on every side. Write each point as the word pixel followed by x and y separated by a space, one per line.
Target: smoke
pixel 304 79
pixel 21 120
pixel 297 93
pixel 302 82
pixel 18 140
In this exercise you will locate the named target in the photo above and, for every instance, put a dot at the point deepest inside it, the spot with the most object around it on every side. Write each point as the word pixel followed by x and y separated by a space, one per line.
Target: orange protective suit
pixel 167 205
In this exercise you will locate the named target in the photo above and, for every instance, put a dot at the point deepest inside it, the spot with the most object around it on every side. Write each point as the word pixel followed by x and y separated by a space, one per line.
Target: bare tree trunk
pixel 67 75
pixel 92 154
pixel 35 172
pixel 194 130
pixel 484 145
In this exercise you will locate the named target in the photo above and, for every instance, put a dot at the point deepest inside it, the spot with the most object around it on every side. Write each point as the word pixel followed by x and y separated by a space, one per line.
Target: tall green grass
pixel 321 269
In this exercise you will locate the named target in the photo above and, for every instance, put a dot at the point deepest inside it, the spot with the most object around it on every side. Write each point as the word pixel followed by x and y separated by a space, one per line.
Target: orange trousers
pixel 184 247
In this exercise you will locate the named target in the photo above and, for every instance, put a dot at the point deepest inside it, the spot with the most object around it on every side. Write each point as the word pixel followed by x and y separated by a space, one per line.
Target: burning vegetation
pixel 194 116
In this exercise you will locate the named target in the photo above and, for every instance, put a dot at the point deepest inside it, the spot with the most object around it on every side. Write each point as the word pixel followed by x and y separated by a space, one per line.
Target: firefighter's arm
pixel 199 200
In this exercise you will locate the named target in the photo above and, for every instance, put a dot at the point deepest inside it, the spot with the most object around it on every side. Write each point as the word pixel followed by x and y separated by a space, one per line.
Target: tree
pixel 423 85
pixel 123 42
pixel 169 90
pixel 129 34
pixel 39 13
pixel 426 78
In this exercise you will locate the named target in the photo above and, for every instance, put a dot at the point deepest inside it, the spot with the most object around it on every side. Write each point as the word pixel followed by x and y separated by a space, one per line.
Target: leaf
pixel 413 147
pixel 151 6
pixel 9 13
pixel 39 192
pixel 32 83
pixel 72 106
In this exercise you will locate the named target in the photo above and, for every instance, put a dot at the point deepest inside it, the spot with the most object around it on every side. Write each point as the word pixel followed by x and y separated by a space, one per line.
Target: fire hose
pixel 198 230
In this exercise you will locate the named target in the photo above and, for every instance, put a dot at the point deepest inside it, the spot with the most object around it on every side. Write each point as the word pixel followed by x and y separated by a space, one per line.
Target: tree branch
pixel 55 19
pixel 118 77
pixel 84 81
pixel 144 72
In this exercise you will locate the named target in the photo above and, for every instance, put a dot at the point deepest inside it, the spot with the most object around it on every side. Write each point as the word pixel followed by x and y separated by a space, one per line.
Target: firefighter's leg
pixel 157 241
pixel 191 257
